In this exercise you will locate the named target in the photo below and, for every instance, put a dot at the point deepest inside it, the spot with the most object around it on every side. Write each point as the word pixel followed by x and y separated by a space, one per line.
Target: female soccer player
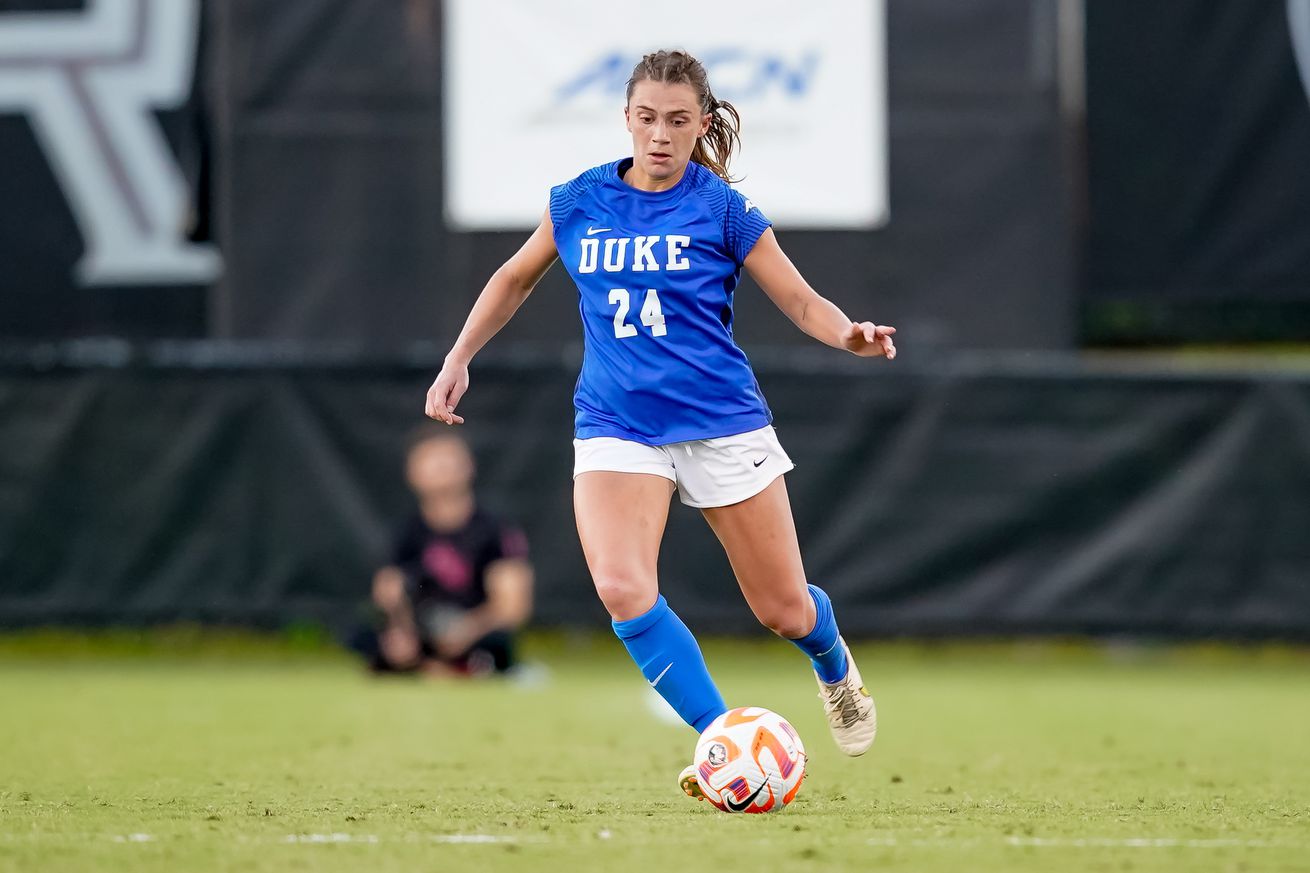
pixel 655 244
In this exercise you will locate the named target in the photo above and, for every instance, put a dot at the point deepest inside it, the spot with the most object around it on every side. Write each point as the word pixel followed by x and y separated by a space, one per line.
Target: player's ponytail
pixel 715 148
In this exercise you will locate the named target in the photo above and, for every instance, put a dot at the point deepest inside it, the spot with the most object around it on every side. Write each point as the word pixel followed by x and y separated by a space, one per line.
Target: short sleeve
pixel 510 543
pixel 564 197
pixel 743 225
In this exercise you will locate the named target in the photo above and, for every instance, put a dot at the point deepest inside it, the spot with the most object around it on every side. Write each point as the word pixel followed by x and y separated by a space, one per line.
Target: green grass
pixel 1006 758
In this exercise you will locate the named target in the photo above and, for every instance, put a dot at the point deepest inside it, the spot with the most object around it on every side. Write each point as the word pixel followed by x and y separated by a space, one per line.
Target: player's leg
pixel 621 519
pixel 491 653
pixel 759 537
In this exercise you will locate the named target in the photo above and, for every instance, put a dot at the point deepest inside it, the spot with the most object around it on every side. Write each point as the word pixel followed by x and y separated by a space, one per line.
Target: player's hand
pixel 869 340
pixel 400 647
pixel 445 393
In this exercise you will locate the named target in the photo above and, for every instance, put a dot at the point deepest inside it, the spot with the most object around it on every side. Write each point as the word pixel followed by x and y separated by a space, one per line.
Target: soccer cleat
pixel 852 716
pixel 690 783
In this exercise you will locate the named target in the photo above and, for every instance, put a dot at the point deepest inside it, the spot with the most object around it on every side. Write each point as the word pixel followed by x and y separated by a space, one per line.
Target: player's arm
pixel 509 592
pixel 509 604
pixel 502 296
pixel 390 597
pixel 813 313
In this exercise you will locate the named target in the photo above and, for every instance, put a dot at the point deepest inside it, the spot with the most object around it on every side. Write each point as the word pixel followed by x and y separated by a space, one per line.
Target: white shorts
pixel 708 473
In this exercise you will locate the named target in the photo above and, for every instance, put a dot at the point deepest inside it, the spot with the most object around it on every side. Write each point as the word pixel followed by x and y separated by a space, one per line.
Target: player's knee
pixel 787 617
pixel 625 594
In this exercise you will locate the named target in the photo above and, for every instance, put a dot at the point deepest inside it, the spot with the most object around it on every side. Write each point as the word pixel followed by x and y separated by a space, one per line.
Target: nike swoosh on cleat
pixel 656 680
pixel 592 231
pixel 738 807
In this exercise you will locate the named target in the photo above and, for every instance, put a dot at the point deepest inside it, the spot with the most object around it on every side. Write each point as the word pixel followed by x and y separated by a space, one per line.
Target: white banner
pixel 535 95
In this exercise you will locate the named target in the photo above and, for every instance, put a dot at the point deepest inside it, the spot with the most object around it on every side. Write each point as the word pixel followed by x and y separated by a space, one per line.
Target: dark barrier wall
pixel 982 497
pixel 1199 132
pixel 312 149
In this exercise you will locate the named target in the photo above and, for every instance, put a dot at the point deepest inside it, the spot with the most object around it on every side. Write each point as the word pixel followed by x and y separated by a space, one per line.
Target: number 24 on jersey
pixel 651 314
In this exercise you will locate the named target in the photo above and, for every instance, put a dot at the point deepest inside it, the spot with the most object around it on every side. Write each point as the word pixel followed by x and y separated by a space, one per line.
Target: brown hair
pixel 714 149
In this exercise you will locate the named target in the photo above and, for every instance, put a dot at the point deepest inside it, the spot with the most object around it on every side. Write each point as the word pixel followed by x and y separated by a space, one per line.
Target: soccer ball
pixel 749 760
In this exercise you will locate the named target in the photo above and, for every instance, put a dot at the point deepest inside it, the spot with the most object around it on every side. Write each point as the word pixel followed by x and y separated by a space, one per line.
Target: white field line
pixel 338 837
pixel 1089 843
pixel 938 843
pixel 460 839
pixel 880 842
pixel 1141 843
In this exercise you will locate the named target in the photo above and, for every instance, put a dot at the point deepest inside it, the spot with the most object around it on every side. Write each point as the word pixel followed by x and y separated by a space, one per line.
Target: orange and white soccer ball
pixel 749 760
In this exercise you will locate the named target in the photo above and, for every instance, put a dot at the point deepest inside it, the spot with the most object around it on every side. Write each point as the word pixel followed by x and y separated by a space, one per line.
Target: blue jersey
pixel 655 272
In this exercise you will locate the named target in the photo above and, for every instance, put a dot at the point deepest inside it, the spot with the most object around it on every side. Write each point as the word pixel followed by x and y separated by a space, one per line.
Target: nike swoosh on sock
pixel 656 680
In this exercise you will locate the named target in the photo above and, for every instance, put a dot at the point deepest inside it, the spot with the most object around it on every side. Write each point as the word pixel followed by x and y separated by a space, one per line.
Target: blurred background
pixel 237 238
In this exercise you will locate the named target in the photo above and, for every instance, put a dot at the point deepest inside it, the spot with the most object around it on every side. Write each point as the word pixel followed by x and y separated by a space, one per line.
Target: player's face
pixel 439 472
pixel 665 121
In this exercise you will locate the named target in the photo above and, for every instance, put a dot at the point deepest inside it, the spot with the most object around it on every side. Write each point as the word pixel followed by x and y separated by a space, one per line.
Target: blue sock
pixel 672 663
pixel 822 644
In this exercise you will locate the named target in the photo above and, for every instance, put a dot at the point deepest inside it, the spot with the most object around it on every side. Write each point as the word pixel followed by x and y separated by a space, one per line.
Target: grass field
pixel 1035 757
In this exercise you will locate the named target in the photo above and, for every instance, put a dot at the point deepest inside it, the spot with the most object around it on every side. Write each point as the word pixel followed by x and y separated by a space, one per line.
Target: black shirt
pixel 448 568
